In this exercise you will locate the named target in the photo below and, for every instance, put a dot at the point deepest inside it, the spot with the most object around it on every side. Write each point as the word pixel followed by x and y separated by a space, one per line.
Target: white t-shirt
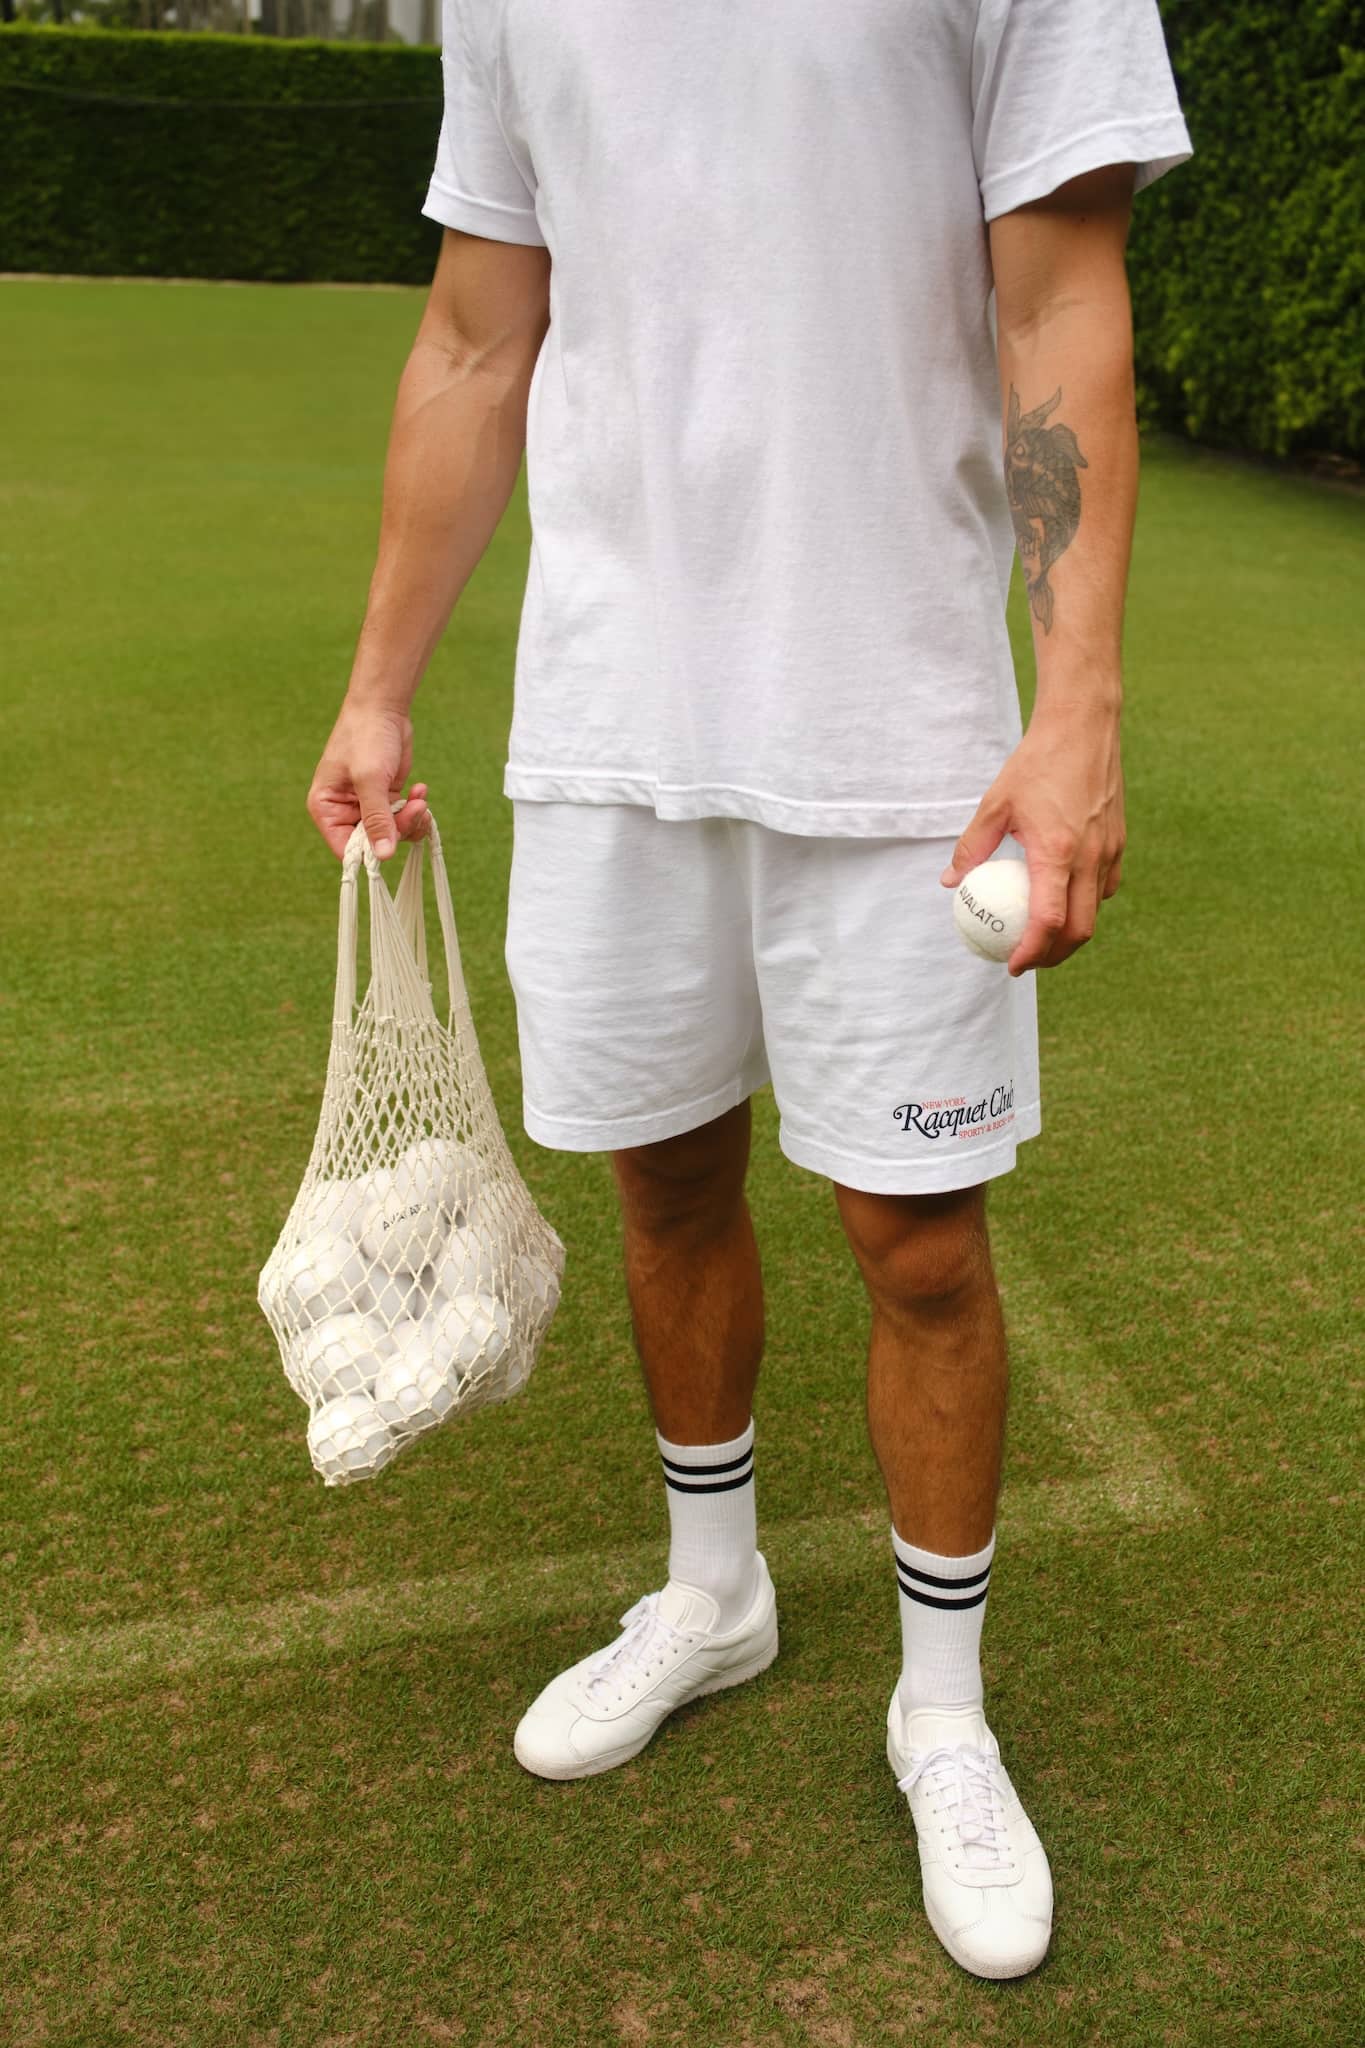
pixel 771 542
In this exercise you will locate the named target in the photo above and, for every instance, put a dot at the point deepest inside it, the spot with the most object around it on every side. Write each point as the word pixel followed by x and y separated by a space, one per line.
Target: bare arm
pixel 455 448
pixel 1064 338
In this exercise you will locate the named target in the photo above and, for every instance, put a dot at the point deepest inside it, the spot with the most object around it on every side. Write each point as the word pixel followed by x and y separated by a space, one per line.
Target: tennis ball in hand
pixel 991 908
pixel 349 1439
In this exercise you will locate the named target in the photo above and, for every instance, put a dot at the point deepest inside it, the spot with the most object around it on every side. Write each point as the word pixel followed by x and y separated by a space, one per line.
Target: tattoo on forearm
pixel 1044 493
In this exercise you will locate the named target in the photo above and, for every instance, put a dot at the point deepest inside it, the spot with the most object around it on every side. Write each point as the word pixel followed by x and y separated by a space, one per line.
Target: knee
pixel 918 1254
pixel 685 1183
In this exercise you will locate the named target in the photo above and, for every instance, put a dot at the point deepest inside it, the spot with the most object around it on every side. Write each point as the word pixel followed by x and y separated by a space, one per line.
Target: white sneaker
pixel 987 1885
pixel 602 1711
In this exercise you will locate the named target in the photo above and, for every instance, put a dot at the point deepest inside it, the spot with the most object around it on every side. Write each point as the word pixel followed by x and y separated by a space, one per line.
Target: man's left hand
pixel 1060 794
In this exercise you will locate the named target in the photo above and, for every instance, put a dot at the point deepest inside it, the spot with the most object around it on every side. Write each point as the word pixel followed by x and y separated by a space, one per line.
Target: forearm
pixel 1071 471
pixel 1064 341
pixel 455 447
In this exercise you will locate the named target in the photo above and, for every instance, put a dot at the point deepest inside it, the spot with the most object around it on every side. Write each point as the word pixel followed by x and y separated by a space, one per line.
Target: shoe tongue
pixel 929 1728
pixel 687 1607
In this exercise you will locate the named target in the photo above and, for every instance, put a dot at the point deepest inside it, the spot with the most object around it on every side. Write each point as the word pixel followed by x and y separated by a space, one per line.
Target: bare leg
pixel 696 1300
pixel 692 1274
pixel 936 1370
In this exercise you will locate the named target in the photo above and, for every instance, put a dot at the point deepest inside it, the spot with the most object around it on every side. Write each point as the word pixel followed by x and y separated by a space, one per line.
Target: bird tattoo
pixel 1044 493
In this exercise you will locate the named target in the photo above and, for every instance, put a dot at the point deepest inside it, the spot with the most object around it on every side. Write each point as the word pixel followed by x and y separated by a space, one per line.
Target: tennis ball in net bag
pixel 348 1439
pixel 397 1297
pixel 532 1293
pixel 325 1274
pixel 442 1165
pixel 411 1391
pixel 325 1210
pixel 465 1263
pixel 399 1221
pixel 462 1175
pixel 341 1355
pixel 470 1332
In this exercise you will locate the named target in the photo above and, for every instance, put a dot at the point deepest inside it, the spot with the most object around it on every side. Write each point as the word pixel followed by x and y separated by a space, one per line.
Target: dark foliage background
pixel 1248 264
pixel 248 157
pixel 274 160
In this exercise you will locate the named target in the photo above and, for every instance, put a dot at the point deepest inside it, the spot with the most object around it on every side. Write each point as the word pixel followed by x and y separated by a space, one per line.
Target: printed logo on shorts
pixel 954 1116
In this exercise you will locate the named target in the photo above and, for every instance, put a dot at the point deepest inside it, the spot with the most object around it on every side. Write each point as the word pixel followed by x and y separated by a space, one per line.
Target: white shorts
pixel 665 969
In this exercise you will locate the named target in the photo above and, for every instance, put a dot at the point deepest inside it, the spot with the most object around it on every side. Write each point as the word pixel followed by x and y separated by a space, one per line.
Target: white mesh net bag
pixel 414 1278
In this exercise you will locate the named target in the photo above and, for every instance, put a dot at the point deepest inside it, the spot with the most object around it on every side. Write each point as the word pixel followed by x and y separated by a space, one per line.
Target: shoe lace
pixel 972 1797
pixel 636 1650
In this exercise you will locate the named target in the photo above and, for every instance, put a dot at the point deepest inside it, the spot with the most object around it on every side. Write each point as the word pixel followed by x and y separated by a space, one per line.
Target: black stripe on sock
pixel 947 1585
pixel 932 1599
pixel 709 1485
pixel 707 1471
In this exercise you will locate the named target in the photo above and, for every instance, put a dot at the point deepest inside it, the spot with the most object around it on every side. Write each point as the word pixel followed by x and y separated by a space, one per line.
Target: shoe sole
pixel 999 1974
pixel 597 1765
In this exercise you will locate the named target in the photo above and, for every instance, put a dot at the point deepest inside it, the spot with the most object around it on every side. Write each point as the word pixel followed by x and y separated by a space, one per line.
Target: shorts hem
pixel 964 1168
pixel 612 1134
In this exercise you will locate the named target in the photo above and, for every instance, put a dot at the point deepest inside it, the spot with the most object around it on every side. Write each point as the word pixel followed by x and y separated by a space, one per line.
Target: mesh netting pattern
pixel 414 1278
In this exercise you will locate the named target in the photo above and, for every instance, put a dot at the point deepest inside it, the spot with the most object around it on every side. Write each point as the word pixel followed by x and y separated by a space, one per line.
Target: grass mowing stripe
pixel 145 1654
pixel 1138 1480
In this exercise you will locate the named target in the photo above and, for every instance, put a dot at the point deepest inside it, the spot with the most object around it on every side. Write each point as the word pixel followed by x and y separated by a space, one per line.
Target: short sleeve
pixel 1060 87
pixel 477 183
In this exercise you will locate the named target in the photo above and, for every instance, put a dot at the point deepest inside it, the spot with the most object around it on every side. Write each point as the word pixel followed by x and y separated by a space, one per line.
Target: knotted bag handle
pixel 399 984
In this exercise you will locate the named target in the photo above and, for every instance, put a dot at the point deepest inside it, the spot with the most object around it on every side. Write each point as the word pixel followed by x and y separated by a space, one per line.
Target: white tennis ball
pixel 396 1297
pixel 991 908
pixel 468 1333
pixel 325 1210
pixel 411 1392
pixel 326 1274
pixel 532 1293
pixel 466 1263
pixel 270 1286
pixel 442 1167
pixel 349 1439
pixel 400 1225
pixel 340 1356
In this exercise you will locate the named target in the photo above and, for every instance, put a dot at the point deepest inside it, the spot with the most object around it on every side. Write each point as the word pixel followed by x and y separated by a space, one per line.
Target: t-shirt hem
pixel 482 216
pixel 1154 146
pixel 842 818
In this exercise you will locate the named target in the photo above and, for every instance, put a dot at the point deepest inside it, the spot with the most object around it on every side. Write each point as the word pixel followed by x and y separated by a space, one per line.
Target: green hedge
pixel 289 185
pixel 1248 265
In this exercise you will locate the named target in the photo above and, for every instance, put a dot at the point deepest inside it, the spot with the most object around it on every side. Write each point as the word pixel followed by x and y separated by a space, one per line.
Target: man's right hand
pixel 364 765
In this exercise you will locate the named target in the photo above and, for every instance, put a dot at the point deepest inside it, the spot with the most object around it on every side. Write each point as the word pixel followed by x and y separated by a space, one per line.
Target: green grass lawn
pixel 258 1784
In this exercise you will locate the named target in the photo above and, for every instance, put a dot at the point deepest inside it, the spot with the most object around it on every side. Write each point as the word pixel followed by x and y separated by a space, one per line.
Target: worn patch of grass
pixel 319 1835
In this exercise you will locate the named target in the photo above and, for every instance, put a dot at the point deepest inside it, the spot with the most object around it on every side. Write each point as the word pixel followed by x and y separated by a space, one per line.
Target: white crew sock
pixel 712 1524
pixel 943 1604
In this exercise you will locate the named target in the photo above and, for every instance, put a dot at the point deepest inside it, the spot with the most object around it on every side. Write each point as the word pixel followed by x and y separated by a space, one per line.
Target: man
pixel 727 272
